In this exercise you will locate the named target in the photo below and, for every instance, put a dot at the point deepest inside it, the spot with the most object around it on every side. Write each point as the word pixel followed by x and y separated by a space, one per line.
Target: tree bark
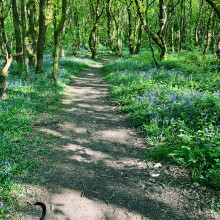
pixel 9 58
pixel 96 16
pixel 162 22
pixel 218 49
pixel 181 26
pixel 17 32
pixel 76 32
pixel 130 35
pixel 108 12
pixel 207 35
pixel 41 37
pixel 153 35
pixel 23 23
pixel 172 39
pixel 32 35
pixel 138 46
pixel 57 31
pixel 212 39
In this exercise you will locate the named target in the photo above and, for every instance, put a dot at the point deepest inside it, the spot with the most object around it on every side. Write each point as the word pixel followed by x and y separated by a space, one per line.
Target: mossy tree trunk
pixel 130 31
pixel 31 33
pixel 207 35
pixel 96 15
pixel 109 21
pixel 92 41
pixel 138 45
pixel 17 32
pixel 57 31
pixel 153 35
pixel 41 37
pixel 8 57
pixel 23 24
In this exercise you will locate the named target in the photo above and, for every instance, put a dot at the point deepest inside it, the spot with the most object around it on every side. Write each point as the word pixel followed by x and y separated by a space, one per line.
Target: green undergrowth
pixel 176 106
pixel 28 100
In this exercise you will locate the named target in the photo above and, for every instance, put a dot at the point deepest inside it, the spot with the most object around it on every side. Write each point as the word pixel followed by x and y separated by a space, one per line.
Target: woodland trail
pixel 94 171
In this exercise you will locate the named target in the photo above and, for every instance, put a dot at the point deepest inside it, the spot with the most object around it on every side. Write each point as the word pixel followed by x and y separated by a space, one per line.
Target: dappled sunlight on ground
pixel 95 172
pixel 52 132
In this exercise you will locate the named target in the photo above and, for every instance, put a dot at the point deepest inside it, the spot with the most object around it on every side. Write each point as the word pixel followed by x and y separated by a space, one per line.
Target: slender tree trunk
pixel 23 23
pixel 92 42
pixel 153 36
pixel 9 58
pixel 198 24
pixel 32 49
pixel 218 49
pixel 130 35
pixel 55 58
pixel 93 37
pixel 212 39
pixel 207 35
pixel 181 26
pixel 17 32
pixel 41 37
pixel 138 46
pixel 4 37
pixel 118 43
pixel 58 30
pixel 160 33
pixel 76 33
pixel 172 39
pixel 190 21
pixel 149 38
pixel 108 12
pixel 84 31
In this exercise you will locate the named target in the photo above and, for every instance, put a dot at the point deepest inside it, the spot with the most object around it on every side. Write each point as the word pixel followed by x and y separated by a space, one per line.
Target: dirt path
pixel 94 171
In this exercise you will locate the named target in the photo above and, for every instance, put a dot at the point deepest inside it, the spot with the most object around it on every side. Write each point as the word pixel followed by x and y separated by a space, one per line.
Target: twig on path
pixel 83 191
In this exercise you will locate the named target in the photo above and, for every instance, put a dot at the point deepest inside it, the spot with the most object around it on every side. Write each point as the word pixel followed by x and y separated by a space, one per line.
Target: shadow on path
pixel 94 171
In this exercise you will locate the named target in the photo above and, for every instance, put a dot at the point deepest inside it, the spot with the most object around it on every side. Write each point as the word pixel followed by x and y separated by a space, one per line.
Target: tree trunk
pixel 41 37
pixel 8 57
pixel 218 49
pixel 17 32
pixel 57 32
pixel 154 36
pixel 92 42
pixel 130 36
pixel 32 50
pixel 118 42
pixel 212 39
pixel 23 23
pixel 160 33
pixel 207 35
pixel 76 33
pixel 108 12
pixel 55 58
pixel 172 39
pixel 96 16
pixel 138 46
pixel 4 37
pixel 181 26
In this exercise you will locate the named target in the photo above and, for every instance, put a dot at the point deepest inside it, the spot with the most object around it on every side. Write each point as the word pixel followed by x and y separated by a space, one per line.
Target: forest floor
pixel 95 171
